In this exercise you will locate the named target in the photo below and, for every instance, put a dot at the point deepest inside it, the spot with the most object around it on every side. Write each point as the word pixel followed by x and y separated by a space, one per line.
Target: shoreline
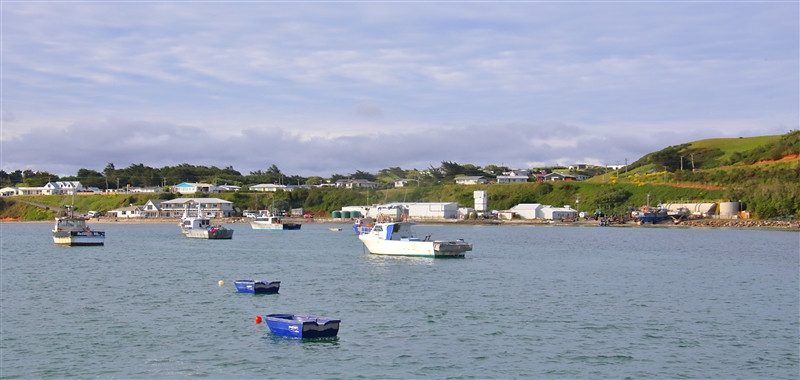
pixel 699 223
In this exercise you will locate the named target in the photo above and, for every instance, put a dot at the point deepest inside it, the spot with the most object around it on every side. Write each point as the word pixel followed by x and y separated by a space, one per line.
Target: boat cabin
pixel 71 224
pixel 394 231
pixel 196 223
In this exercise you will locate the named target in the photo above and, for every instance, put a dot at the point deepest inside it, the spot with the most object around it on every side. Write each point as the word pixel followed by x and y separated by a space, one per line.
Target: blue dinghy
pixel 302 326
pixel 257 286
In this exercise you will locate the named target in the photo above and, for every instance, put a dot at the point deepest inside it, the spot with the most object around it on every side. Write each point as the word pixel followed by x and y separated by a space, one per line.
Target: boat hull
pixel 435 249
pixel 275 227
pixel 302 326
pixel 207 234
pixel 79 238
pixel 257 286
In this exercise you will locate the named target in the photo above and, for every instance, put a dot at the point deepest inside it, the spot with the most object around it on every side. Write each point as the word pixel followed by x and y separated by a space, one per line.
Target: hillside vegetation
pixel 762 172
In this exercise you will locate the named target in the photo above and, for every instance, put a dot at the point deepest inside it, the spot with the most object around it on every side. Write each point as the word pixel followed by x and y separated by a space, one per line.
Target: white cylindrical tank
pixel 728 209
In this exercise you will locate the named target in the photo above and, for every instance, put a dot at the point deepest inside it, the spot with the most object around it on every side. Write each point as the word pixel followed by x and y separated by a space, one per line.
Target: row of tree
pixel 139 175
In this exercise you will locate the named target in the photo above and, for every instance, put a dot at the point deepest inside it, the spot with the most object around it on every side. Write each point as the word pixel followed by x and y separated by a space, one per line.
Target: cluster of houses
pixel 73 187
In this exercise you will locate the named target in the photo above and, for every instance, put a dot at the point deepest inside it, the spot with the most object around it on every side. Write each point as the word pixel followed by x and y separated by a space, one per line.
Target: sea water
pixel 527 302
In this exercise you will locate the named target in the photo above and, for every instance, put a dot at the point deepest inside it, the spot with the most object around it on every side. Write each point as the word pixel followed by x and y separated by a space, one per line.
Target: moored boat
pixel 302 326
pixel 200 227
pixel 273 223
pixel 257 286
pixel 398 239
pixel 70 230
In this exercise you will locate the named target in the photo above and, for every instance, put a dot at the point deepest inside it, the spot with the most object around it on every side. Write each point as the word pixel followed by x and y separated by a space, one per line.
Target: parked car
pixel 308 216
pixel 94 214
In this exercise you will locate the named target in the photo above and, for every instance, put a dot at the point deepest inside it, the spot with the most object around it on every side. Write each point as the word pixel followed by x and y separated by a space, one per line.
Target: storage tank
pixel 728 209
pixel 345 214
pixel 336 214
pixel 355 214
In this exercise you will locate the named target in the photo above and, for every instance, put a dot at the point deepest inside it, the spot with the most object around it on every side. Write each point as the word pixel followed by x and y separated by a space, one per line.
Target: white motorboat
pixel 70 230
pixel 398 239
pixel 200 227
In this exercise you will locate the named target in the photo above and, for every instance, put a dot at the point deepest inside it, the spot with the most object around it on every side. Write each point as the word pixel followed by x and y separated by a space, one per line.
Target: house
pixel 400 182
pixel 273 187
pixel 555 176
pixel 580 167
pixel 149 189
pixel 539 177
pixel 511 179
pixel 470 180
pixel 62 187
pixel 227 187
pixel 8 191
pixel 191 188
pixel 354 183
pixel 212 207
pixel 152 209
pixel 52 188
pixel 126 212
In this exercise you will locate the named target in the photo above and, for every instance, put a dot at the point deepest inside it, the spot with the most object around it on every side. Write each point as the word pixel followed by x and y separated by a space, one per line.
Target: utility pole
pixel 692 162
pixel 117 183
pixel 681 163
pixel 626 167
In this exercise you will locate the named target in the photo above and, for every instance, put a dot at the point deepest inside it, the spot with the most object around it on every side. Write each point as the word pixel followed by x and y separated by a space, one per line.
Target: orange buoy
pixel 258 319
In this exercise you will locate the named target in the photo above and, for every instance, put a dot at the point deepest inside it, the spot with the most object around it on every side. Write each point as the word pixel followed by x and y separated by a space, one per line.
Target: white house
pixel 212 207
pixel 126 212
pixel 152 209
pixel 511 179
pixel 191 188
pixel 8 191
pixel 470 180
pixel 227 187
pixel 273 187
pixel 414 210
pixel 400 182
pixel 149 189
pixel 353 183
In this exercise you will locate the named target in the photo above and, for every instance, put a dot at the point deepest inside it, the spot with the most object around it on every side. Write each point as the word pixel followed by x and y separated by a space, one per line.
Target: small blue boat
pixel 302 326
pixel 257 286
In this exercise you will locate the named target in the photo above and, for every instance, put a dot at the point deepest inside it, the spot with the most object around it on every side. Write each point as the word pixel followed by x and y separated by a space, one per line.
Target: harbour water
pixel 527 302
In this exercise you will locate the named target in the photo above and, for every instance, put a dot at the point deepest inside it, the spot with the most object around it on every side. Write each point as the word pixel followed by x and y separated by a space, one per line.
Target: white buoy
pixel 221 282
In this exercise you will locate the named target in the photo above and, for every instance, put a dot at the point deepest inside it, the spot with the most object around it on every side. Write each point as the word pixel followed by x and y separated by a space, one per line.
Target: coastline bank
pixel 696 223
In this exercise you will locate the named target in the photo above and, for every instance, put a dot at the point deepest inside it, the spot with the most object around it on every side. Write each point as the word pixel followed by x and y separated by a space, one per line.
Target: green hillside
pixel 763 172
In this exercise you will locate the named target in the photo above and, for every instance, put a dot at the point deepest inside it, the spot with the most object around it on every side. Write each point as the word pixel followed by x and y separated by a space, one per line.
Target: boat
pixel 257 286
pixel 651 215
pixel 398 239
pixel 335 228
pixel 302 326
pixel 200 227
pixel 71 230
pixel 273 223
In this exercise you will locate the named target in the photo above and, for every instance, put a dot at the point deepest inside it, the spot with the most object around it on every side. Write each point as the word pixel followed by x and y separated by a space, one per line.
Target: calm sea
pixel 527 302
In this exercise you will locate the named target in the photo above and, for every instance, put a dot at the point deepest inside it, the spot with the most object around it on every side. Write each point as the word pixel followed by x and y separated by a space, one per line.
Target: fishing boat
pixel 257 286
pixel 273 223
pixel 398 239
pixel 302 326
pixel 71 230
pixel 200 227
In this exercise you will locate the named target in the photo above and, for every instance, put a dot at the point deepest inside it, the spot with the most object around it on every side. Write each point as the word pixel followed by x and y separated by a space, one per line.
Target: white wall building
pixel 212 207
pixel 528 210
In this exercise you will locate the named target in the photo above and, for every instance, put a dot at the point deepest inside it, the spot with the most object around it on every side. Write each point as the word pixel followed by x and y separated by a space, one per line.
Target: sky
pixel 331 87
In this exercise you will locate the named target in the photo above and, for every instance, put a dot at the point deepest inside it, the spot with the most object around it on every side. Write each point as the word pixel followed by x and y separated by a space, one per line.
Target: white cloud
pixel 467 82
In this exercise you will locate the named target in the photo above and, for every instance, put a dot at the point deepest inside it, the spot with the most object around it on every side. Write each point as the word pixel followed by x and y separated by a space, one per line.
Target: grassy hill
pixel 763 172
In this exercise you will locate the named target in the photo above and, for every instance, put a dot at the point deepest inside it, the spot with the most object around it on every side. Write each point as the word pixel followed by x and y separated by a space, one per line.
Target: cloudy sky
pixel 319 88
